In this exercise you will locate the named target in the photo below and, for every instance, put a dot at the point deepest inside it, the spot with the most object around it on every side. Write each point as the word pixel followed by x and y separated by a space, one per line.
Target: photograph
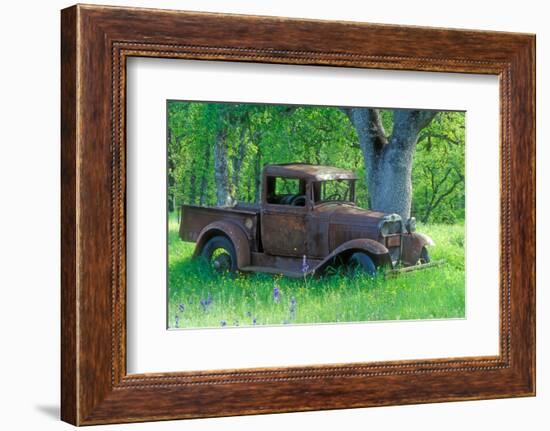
pixel 300 214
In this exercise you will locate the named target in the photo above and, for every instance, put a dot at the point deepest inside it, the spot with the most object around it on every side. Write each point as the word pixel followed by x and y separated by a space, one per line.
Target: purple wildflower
pixel 276 294
pixel 305 266
pixel 181 308
pixel 254 321
pixel 177 321
pixel 292 308
pixel 206 302
pixel 223 323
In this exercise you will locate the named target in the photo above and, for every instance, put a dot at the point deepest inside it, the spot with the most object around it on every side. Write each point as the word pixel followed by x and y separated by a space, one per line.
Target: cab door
pixel 284 216
pixel 284 230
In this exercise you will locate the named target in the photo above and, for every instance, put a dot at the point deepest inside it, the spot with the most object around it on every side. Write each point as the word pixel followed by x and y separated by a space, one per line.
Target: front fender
pixel 426 240
pixel 377 252
pixel 412 247
pixel 234 232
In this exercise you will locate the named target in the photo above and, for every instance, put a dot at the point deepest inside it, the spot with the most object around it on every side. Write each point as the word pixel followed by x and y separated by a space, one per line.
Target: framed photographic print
pixel 321 214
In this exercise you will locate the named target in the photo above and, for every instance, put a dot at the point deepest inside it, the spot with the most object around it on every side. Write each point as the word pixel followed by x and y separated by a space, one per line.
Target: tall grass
pixel 199 297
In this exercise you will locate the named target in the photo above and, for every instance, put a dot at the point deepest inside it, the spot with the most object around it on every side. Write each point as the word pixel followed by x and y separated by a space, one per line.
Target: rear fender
pixel 377 252
pixel 412 247
pixel 234 232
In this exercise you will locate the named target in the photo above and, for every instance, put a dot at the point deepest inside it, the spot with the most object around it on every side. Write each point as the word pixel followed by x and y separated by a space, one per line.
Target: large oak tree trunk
pixel 388 160
pixel 258 176
pixel 221 170
pixel 204 178
pixel 238 158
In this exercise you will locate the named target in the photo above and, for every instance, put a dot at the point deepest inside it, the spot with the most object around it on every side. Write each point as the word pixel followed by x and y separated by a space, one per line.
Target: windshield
pixel 334 191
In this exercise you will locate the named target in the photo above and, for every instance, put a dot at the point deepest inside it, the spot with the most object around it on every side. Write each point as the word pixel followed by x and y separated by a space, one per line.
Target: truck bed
pixel 195 218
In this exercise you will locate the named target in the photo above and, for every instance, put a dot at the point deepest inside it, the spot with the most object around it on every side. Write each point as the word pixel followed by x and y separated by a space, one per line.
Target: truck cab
pixel 294 222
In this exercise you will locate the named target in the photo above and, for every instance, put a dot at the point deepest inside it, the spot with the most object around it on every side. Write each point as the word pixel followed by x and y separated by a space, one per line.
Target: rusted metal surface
pixel 377 251
pixel 281 231
pixel 237 235
pixel 412 247
pixel 289 266
pixel 284 230
pixel 194 219
pixel 308 172
pixel 393 241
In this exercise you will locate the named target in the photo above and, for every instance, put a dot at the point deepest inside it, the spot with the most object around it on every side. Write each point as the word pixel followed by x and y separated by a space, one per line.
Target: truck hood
pixel 347 222
pixel 349 214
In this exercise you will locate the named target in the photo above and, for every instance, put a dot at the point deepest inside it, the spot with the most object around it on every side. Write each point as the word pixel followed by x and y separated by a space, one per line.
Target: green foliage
pixel 438 170
pixel 200 298
pixel 259 134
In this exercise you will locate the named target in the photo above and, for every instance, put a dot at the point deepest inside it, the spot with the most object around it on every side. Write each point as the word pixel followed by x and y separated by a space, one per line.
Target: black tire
pixel 361 262
pixel 219 252
pixel 424 256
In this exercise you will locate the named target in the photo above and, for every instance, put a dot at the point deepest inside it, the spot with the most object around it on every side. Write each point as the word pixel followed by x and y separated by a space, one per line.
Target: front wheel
pixel 361 262
pixel 219 252
pixel 424 256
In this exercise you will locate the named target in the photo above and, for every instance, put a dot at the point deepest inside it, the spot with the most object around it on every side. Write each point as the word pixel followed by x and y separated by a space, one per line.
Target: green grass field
pixel 200 298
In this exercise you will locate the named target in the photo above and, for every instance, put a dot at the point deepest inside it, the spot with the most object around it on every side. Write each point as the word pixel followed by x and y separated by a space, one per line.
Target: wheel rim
pixel 221 260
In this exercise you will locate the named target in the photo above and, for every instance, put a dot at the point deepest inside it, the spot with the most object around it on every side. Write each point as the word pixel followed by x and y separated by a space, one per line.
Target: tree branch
pixel 447 173
pixel 422 118
pixel 408 123
pixel 447 193
pixel 438 136
pixel 368 124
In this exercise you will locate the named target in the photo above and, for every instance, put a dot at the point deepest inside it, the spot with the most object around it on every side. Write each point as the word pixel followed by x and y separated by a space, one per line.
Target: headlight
pixel 411 225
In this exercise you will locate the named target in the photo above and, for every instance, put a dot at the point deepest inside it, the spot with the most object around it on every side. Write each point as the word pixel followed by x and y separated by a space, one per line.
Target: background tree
pixel 389 159
pixel 216 153
pixel 438 171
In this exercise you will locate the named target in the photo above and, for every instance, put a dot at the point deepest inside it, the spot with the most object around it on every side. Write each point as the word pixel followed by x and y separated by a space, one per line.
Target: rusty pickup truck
pixel 307 220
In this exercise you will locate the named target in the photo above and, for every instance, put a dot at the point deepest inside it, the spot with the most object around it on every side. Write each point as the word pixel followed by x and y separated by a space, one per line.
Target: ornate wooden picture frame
pixel 96 41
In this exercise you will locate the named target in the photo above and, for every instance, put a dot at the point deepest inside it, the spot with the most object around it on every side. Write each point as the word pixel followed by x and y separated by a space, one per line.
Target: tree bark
pixel 237 160
pixel 204 178
pixel 171 178
pixel 388 161
pixel 193 184
pixel 258 176
pixel 221 170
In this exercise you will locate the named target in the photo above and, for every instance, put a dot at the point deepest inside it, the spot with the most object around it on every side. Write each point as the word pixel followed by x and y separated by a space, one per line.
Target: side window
pixel 286 191
pixel 334 191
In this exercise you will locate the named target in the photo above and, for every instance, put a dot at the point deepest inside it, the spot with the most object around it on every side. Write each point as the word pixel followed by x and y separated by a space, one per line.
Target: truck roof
pixel 309 172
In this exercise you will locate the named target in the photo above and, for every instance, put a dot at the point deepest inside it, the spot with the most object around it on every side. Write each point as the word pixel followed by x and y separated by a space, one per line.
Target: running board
pixel 277 271
pixel 395 272
pixel 392 273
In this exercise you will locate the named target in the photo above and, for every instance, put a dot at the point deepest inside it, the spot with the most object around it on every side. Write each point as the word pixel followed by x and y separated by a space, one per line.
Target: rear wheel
pixel 361 262
pixel 219 252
